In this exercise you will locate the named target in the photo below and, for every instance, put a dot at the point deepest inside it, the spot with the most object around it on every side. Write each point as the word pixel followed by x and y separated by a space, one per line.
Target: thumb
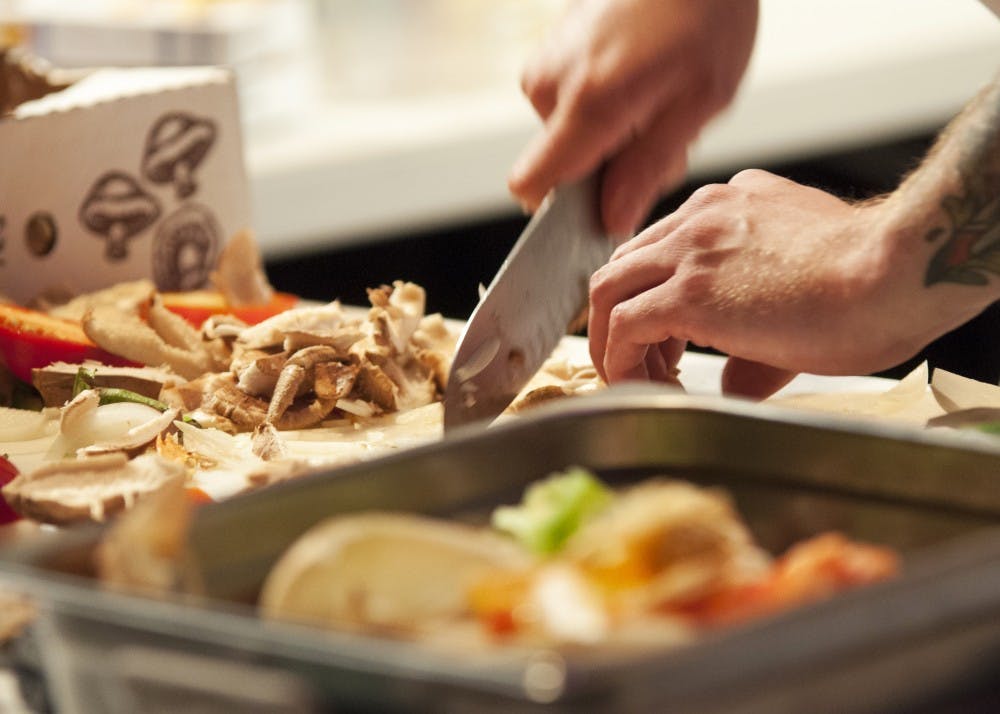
pixel 754 380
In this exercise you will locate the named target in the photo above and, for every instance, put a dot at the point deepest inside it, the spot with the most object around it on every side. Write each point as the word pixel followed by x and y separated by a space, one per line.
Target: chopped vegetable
pixel 197 495
pixel 29 339
pixel 196 306
pixel 553 509
pixel 114 395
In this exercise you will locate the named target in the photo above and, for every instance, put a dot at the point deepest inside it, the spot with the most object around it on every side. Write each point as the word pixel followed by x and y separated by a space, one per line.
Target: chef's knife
pixel 539 289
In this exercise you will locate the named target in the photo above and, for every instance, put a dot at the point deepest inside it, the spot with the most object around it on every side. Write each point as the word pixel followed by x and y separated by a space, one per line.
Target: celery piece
pixel 553 509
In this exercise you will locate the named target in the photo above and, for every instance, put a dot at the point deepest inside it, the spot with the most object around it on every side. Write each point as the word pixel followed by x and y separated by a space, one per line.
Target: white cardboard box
pixel 127 173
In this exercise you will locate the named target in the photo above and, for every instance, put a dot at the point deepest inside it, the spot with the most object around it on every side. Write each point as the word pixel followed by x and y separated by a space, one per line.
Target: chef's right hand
pixel 630 84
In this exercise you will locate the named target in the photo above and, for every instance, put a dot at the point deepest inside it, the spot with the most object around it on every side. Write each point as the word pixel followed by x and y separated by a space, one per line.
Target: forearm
pixel 947 213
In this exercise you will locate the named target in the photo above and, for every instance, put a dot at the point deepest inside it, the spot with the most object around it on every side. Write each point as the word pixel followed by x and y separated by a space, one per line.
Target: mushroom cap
pixel 90 488
pixel 117 199
pixel 176 138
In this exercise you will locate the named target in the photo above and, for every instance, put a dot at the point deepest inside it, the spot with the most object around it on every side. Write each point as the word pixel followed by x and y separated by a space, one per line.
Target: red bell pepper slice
pixel 31 339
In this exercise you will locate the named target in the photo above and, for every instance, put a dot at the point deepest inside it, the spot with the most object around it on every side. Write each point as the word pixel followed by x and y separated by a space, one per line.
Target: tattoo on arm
pixel 969 244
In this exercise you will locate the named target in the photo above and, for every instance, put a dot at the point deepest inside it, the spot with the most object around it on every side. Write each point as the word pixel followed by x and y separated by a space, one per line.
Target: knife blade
pixel 541 286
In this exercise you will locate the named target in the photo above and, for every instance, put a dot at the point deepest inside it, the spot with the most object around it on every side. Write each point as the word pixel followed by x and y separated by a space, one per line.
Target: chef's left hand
pixel 782 277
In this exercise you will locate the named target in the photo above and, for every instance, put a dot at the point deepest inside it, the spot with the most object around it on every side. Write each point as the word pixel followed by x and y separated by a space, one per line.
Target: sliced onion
pixel 106 424
pixel 21 424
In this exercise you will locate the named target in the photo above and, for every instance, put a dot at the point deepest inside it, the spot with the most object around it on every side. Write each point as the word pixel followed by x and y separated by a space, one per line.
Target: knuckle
pixel 748 176
pixel 619 318
pixel 534 84
pixel 600 286
pixel 590 97
pixel 709 194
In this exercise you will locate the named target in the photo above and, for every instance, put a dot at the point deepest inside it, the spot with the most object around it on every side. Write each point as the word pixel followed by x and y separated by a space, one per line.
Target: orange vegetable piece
pixel 198 496
pixel 811 570
pixel 196 306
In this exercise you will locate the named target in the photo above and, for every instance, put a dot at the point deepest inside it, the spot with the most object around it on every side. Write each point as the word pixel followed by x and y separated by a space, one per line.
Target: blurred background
pixel 378 133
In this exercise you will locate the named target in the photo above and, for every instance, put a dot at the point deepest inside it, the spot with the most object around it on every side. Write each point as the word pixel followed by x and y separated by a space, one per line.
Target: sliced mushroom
pixel 268 444
pixel 341 339
pixel 239 273
pixel 258 371
pixel 172 328
pixel 189 395
pixel 92 488
pixel 335 380
pixel 415 383
pixel 541 395
pixel 55 382
pixel 373 385
pixel 433 344
pixel 123 296
pixel 125 333
pixel 316 320
pixel 407 304
pixel 291 378
pixel 223 327
pixel 306 415
pixel 146 547
pixel 223 397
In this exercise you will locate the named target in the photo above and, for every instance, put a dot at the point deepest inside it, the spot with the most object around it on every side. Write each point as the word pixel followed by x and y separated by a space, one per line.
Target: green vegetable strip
pixel 112 395
pixel 82 381
pixel 553 510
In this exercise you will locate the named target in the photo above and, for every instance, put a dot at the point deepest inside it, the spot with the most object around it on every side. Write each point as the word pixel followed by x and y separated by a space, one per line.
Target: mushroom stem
pixel 117 248
pixel 184 182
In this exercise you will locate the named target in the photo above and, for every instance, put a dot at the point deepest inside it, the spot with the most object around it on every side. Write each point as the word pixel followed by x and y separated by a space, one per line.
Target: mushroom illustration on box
pixel 123 174
pixel 176 145
pixel 117 209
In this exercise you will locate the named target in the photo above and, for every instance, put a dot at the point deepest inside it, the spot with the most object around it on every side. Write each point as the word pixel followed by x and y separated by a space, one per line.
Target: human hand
pixel 782 277
pixel 629 84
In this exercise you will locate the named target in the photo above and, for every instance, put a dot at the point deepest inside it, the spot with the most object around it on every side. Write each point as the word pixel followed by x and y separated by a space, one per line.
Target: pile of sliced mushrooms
pixel 232 406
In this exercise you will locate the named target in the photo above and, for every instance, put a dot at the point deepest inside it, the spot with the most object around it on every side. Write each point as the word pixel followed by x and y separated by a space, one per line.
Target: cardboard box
pixel 126 173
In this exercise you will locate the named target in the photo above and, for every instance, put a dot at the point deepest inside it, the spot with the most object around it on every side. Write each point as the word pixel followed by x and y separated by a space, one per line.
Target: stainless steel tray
pixel 930 635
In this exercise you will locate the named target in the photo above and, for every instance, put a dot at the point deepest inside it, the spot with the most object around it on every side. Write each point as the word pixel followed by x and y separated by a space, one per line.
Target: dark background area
pixel 451 263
